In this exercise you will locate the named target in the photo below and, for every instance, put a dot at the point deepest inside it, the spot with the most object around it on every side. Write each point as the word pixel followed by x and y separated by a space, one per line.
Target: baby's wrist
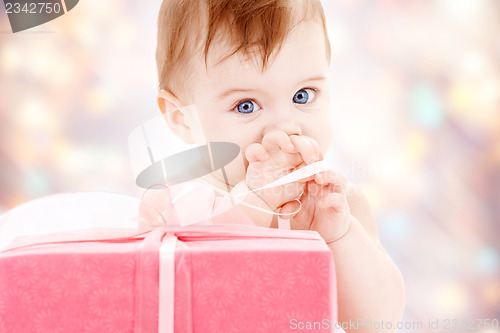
pixel 342 231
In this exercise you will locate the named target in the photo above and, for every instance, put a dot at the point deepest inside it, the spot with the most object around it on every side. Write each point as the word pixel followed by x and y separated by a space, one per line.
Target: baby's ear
pixel 177 121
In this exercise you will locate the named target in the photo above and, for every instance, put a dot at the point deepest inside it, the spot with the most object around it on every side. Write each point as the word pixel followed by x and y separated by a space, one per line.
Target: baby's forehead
pixel 222 53
pixel 253 32
pixel 256 38
pixel 283 74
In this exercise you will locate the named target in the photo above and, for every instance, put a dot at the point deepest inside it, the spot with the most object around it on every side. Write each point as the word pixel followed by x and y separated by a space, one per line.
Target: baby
pixel 256 74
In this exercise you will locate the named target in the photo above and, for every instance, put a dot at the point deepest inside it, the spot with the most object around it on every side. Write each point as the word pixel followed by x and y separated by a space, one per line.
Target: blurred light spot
pixel 496 155
pixel 354 135
pixel 452 298
pixel 489 94
pixel 461 98
pixel 417 145
pixel 123 34
pixel 490 330
pixel 391 168
pixel 23 152
pixel 39 62
pixel 396 225
pixel 341 37
pixel 77 159
pixel 10 58
pixel 475 62
pixel 491 293
pixel 427 105
pixel 112 160
pixel 36 183
pixel 487 260
pixel 33 112
pixel 373 196
pixel 464 9
pixel 98 100
pixel 349 4
pixel 34 115
pixel 89 160
pixel 86 33
pixel 64 72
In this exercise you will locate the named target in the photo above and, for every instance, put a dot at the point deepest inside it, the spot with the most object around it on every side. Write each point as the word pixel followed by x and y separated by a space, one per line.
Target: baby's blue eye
pixel 303 96
pixel 247 107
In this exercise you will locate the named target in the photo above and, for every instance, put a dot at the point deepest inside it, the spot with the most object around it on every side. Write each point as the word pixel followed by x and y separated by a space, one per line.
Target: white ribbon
pixel 167 284
pixel 296 175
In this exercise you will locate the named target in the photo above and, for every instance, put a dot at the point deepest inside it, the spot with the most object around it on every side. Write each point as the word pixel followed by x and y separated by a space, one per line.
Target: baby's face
pixel 238 103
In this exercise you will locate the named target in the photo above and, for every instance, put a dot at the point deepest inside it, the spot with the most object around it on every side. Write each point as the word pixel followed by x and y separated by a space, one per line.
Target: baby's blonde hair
pixel 256 28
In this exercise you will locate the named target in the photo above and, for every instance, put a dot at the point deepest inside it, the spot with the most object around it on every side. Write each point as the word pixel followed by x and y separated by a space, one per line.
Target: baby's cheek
pixel 324 137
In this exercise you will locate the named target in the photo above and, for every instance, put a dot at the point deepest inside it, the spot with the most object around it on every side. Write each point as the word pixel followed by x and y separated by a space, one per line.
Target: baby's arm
pixel 370 286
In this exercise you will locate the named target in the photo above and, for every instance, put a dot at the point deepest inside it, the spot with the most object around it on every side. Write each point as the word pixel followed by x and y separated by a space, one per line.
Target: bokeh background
pixel 416 99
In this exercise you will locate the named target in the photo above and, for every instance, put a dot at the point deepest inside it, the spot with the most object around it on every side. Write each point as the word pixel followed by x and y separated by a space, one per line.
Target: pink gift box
pixel 243 280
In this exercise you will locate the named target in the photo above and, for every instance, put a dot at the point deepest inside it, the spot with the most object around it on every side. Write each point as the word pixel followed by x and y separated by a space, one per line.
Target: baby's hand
pixel 278 155
pixel 324 206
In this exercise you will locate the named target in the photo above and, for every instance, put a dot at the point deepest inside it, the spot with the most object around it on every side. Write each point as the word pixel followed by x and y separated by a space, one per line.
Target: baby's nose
pixel 287 126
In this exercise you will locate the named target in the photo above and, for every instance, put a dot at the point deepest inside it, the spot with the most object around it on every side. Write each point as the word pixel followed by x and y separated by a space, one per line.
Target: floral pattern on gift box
pixel 257 262
pixel 200 294
pixel 118 319
pixel 48 321
pixel 96 325
pixel 270 326
pixel 273 303
pixel 278 278
pixel 205 273
pixel 222 322
pixel 2 306
pixel 104 299
pixel 2 314
pixel 248 285
pixel 115 272
pixel 86 262
pixel 18 300
pixel 216 290
pixel 46 292
pixel 75 283
pixel 312 271
pixel 71 294
pixel 24 272
pixel 268 287
pixel 220 294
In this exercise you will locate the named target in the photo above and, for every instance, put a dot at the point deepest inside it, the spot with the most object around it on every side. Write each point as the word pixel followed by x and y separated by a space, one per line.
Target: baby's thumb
pixel 290 209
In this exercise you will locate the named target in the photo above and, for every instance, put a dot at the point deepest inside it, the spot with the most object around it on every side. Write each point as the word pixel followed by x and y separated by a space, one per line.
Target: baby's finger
pixel 315 146
pixel 290 209
pixel 305 147
pixel 255 153
pixel 335 200
pixel 276 140
pixel 306 179
pixel 330 177
pixel 319 191
pixel 302 220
